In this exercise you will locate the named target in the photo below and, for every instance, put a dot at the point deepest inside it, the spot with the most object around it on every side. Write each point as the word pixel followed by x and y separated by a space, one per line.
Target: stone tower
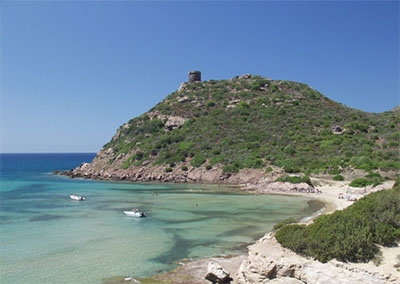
pixel 194 76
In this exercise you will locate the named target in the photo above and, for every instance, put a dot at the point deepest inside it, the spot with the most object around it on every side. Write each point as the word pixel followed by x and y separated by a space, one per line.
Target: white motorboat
pixel 135 213
pixel 77 197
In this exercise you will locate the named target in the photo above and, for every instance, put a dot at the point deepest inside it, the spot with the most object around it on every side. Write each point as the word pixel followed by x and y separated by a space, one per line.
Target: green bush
pixel 338 178
pixel 293 237
pixel 198 160
pixel 376 176
pixel 126 164
pixel 363 182
pixel 231 168
pixel 210 104
pixel 334 172
pixel 285 222
pixel 139 155
pixel 294 179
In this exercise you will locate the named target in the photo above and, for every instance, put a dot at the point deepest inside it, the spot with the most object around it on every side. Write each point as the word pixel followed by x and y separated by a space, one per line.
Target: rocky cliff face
pixel 100 169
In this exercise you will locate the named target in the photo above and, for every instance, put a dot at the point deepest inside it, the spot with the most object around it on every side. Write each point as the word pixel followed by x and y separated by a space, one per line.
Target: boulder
pixel 174 122
pixel 216 274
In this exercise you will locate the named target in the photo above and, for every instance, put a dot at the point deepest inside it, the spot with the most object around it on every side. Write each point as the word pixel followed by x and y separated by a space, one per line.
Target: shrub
pixel 139 155
pixel 285 222
pixel 295 179
pixel 372 175
pixel 198 160
pixel 210 104
pixel 185 147
pixel 289 149
pixel 231 168
pixel 334 172
pixel 363 182
pixel 126 164
pixel 293 237
pixel 360 182
pixel 338 177
pixel 363 163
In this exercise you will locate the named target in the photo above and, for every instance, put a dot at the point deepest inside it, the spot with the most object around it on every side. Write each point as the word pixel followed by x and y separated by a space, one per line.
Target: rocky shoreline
pixel 159 174
pixel 105 167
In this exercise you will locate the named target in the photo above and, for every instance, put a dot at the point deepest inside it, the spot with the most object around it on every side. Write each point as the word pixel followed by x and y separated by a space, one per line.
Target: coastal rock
pixel 269 262
pixel 216 274
pixel 268 186
pixel 259 271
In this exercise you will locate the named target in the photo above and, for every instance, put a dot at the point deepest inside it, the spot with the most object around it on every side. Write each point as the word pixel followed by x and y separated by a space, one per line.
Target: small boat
pixel 77 197
pixel 135 213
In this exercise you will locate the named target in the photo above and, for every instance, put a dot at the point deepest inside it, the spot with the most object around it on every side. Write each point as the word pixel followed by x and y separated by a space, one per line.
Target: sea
pixel 45 237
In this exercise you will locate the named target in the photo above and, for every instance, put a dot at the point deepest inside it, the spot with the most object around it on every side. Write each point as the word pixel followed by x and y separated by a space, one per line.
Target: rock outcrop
pixel 269 262
pixel 174 122
pixel 100 169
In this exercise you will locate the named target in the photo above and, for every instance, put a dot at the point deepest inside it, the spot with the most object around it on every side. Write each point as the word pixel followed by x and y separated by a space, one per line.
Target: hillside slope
pixel 211 131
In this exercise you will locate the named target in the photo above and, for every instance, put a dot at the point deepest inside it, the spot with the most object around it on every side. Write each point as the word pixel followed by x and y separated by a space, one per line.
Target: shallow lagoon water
pixel 48 238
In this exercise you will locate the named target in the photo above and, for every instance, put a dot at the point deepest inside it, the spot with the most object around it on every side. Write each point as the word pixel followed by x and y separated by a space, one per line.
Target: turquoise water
pixel 48 238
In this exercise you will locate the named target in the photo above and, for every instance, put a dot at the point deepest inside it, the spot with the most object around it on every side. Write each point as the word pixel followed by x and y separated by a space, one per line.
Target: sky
pixel 72 72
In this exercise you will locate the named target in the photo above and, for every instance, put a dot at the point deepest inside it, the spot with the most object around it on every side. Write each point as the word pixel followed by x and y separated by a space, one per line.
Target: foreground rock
pixel 216 274
pixel 269 262
pixel 193 272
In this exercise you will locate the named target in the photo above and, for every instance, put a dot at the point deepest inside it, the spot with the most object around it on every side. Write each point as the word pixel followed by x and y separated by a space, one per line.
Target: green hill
pixel 254 122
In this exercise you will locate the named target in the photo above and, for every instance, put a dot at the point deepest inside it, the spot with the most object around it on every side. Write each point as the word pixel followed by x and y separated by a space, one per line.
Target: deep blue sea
pixel 45 237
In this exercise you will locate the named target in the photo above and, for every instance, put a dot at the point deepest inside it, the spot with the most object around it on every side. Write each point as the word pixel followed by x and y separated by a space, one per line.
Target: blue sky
pixel 72 72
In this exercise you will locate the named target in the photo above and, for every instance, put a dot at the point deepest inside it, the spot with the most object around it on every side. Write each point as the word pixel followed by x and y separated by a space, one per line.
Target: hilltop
pixel 245 129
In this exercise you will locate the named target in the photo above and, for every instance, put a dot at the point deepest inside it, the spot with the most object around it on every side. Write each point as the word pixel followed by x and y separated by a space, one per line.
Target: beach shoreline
pixel 335 195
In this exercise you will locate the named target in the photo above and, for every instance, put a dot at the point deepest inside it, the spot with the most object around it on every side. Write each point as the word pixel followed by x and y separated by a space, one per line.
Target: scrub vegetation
pixel 349 235
pixel 255 122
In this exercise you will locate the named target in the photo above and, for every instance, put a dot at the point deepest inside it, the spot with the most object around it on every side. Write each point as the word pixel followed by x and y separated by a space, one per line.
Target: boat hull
pixel 135 214
pixel 77 197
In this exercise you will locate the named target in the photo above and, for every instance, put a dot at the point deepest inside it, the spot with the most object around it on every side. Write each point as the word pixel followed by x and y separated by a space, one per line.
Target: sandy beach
pixel 335 195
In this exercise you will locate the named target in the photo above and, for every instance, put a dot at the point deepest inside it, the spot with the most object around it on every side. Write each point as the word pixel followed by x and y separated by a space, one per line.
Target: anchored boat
pixel 77 197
